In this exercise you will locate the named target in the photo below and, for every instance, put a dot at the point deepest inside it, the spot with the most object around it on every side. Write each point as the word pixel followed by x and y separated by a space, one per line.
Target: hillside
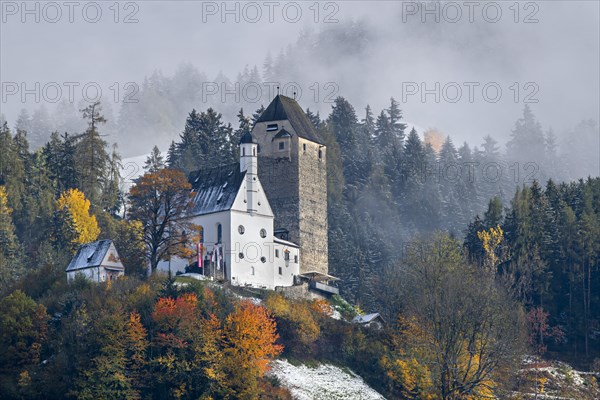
pixel 322 382
pixel 545 379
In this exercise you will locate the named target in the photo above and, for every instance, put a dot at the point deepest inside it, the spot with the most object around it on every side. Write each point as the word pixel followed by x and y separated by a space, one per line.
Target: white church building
pixel 264 219
pixel 237 222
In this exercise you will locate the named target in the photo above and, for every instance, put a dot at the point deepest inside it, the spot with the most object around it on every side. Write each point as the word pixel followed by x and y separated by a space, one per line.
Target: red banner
pixel 200 255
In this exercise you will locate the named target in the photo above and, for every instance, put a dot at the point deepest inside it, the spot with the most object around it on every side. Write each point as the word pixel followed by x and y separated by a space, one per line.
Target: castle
pixel 293 169
pixel 264 219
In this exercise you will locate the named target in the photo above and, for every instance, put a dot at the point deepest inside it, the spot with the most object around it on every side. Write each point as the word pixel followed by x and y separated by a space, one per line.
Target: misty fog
pixel 171 57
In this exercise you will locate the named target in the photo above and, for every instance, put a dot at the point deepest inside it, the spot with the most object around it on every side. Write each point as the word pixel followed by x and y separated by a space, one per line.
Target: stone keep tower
pixel 293 171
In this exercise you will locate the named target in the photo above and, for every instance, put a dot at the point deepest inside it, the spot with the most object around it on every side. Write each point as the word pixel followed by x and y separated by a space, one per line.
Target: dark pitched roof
pixel 285 108
pixel 282 134
pixel 89 255
pixel 215 189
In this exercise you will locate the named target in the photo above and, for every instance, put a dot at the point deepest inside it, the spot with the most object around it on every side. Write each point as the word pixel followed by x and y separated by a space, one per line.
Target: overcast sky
pixel 554 60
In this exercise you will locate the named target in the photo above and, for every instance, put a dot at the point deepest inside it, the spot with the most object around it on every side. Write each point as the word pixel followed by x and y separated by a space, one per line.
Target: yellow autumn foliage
pixel 491 241
pixel 278 305
pixel 412 376
pixel 4 207
pixel 414 364
pixel 468 366
pixel 85 225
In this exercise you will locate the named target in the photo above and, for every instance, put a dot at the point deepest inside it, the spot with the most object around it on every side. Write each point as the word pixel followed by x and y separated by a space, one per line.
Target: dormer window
pixel 272 127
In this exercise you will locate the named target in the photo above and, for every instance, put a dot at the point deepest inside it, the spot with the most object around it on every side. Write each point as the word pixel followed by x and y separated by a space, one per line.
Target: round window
pixel 241 255
pixel 263 259
pixel 241 229
pixel 263 233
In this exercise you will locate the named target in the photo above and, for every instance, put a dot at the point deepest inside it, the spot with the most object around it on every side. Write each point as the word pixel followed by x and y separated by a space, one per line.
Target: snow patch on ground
pixel 550 379
pixel 254 300
pixel 335 314
pixel 326 382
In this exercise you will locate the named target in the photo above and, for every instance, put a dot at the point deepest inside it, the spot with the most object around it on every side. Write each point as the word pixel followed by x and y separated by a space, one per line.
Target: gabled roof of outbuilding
pixel 285 108
pixel 214 190
pixel 89 255
pixel 365 319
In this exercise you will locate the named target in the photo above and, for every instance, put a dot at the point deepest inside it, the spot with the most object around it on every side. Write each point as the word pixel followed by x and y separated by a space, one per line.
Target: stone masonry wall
pixel 313 206
pixel 295 182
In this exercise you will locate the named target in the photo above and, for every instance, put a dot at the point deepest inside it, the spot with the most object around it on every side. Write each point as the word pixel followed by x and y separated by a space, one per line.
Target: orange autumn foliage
pixel 251 332
pixel 321 307
pixel 175 318
pixel 232 354
pixel 210 302
pixel 249 335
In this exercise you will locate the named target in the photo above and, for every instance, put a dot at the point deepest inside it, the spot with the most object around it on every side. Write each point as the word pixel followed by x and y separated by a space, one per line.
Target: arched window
pixel 219 233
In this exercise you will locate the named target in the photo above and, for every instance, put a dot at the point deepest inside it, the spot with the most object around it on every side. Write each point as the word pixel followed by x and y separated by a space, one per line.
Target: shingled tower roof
pixel 285 108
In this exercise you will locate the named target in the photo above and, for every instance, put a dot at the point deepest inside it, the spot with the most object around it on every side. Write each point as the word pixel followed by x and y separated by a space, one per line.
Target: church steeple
pixel 249 164
pixel 248 147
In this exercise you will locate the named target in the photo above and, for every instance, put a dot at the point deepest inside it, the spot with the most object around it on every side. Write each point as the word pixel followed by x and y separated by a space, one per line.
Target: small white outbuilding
pixel 97 261
pixel 374 320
